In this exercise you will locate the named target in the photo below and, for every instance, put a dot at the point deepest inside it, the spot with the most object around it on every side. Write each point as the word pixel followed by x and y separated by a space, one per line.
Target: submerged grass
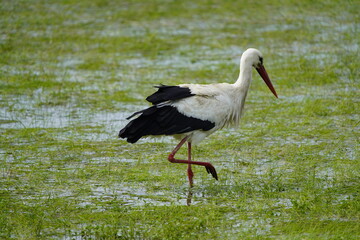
pixel 72 71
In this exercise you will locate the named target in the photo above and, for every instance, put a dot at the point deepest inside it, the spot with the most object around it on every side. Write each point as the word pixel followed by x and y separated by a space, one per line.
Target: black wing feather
pixel 169 93
pixel 165 120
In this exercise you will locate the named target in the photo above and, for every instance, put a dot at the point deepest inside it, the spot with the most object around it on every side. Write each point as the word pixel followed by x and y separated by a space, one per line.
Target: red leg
pixel 189 170
pixel 209 167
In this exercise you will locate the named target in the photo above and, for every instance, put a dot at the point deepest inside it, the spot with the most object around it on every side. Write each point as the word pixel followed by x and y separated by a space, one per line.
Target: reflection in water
pixel 189 197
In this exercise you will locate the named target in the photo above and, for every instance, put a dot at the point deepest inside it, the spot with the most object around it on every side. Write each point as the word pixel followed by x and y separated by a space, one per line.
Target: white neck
pixel 245 76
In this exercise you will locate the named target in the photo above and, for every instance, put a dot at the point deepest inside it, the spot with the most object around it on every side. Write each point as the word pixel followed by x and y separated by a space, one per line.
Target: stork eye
pixel 261 60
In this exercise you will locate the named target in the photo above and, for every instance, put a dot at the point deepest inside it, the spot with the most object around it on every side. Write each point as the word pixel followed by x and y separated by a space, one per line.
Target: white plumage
pixel 218 103
pixel 191 112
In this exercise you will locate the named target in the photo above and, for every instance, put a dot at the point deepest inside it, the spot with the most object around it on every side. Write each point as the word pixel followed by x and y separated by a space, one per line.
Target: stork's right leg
pixel 209 167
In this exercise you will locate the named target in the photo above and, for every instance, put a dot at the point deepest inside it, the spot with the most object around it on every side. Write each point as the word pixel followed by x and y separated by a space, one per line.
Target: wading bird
pixel 191 112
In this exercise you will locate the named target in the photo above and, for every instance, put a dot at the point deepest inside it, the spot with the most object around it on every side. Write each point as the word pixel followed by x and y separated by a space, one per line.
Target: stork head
pixel 254 57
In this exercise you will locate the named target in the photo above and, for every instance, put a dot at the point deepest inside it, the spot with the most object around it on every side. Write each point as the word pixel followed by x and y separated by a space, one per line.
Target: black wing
pixel 165 120
pixel 169 93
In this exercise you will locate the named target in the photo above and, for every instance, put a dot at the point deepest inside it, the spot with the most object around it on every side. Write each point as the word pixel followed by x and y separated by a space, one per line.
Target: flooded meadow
pixel 72 72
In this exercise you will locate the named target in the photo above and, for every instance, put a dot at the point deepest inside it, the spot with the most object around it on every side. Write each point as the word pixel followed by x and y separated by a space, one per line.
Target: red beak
pixel 261 70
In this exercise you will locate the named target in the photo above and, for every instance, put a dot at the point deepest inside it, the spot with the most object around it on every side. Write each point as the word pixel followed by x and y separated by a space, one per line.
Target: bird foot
pixel 210 169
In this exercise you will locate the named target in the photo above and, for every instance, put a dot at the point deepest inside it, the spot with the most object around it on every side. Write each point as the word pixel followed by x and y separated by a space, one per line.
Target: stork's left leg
pixel 209 167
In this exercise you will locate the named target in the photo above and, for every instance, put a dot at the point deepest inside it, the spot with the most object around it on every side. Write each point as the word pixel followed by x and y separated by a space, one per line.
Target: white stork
pixel 191 112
